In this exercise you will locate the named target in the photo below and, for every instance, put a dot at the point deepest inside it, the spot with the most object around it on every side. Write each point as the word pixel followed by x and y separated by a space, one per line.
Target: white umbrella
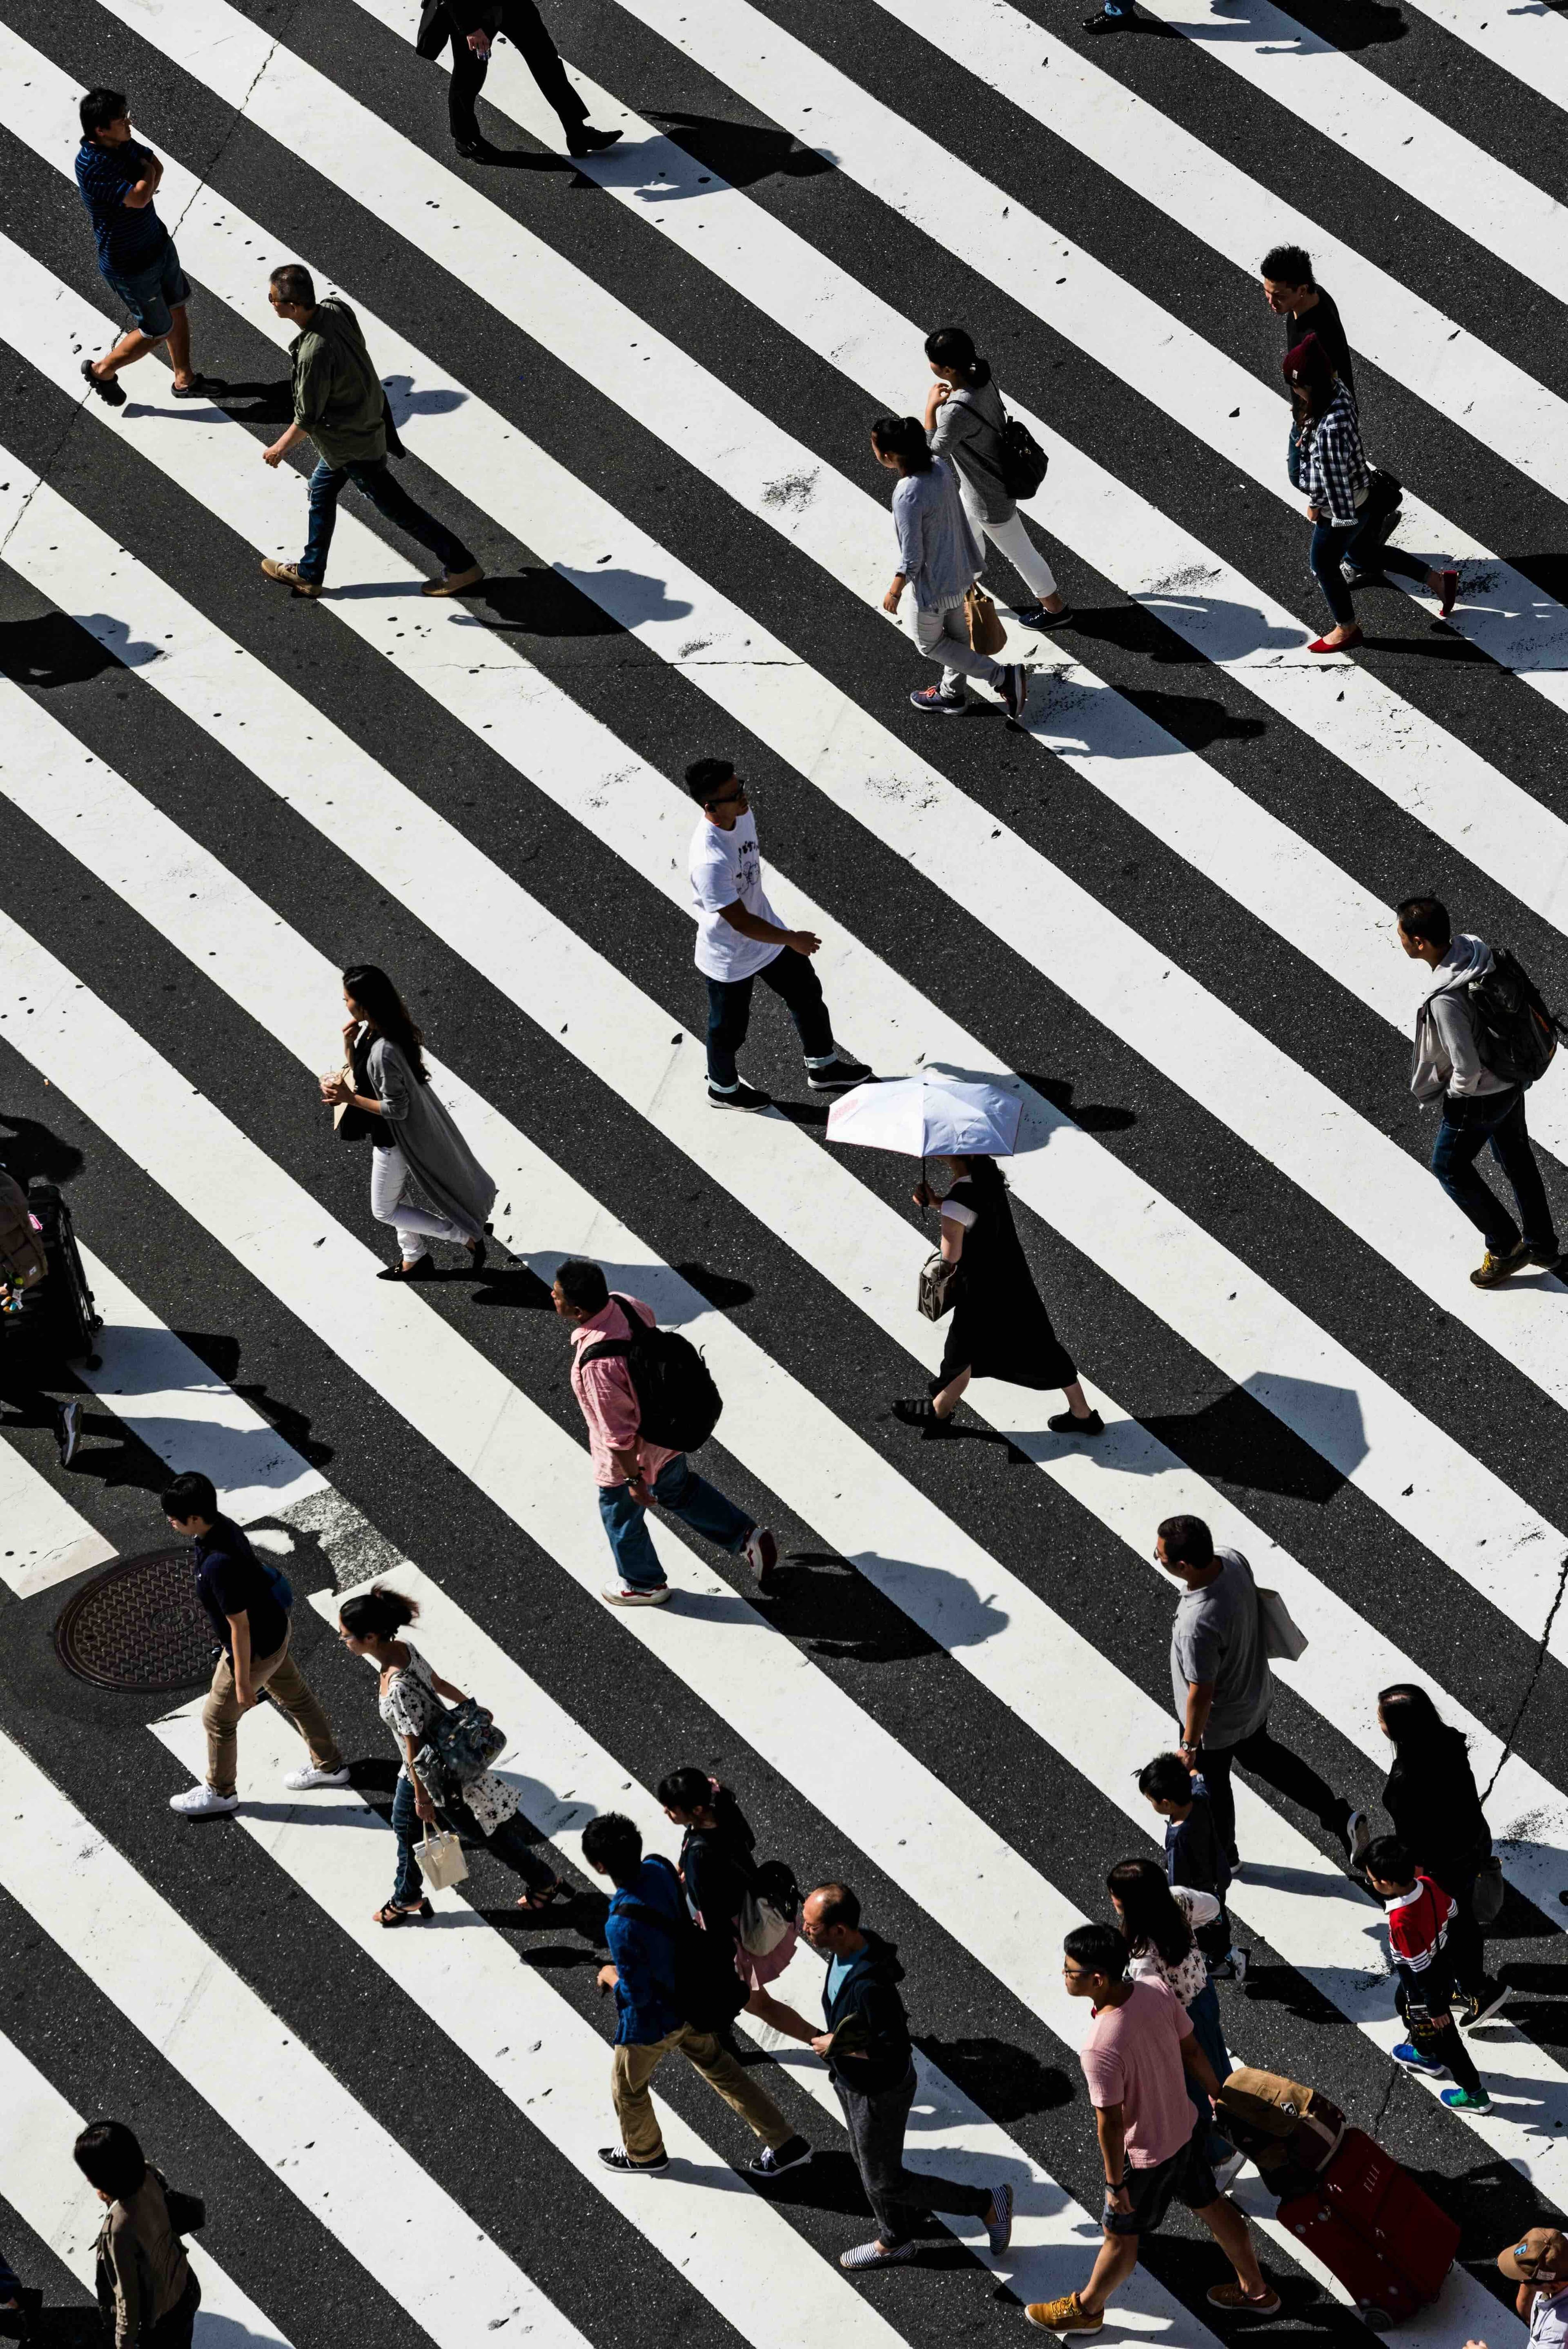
pixel 928 1116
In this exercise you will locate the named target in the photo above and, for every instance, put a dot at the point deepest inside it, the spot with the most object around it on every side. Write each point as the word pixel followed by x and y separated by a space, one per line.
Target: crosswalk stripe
pixel 174 1989
pixel 39 2178
pixel 1529 42
pixel 1461 1511
pixel 794 1715
pixel 1516 622
pixel 42 1541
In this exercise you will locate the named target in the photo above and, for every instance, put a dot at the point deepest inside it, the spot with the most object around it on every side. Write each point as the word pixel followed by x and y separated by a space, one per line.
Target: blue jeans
pixel 794 980
pixel 1470 1122
pixel 373 475
pixel 678 1488
pixel 151 295
pixel 1333 543
pixel 1293 458
pixel 1204 2013
pixel 509 1843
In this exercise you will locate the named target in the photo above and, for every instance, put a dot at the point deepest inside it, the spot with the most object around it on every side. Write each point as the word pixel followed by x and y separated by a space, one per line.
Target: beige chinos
pixel 634 2068
pixel 287 1686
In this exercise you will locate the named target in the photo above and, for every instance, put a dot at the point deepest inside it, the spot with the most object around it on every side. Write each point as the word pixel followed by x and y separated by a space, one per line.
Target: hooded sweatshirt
pixel 1445 1060
pixel 337 394
pixel 867 1997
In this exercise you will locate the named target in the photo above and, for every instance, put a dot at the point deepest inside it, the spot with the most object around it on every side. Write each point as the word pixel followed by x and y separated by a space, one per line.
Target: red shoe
pixel 1449 597
pixel 1322 645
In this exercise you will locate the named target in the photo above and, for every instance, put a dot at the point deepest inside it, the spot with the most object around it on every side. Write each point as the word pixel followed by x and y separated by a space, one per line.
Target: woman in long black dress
pixel 1431 1797
pixel 1000 1328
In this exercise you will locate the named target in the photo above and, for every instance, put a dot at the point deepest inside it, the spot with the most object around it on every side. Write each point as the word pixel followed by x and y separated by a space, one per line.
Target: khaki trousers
pixel 281 1677
pixel 634 2068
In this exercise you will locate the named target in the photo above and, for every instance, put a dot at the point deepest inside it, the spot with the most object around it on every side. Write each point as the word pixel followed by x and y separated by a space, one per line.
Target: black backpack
pixel 705 1987
pixel 1515 1035
pixel 677 1403
pixel 1023 462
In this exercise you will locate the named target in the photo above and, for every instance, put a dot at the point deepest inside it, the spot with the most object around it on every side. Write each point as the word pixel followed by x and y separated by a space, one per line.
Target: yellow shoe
pixel 1063 2317
pixel 287 575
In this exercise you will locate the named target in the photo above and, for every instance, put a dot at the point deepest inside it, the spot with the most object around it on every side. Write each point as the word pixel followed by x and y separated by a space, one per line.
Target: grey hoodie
pixel 1445 1060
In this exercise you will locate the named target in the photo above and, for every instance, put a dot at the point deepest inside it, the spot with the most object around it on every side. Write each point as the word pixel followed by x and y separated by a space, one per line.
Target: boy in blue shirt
pixel 119 178
pixel 1194 1854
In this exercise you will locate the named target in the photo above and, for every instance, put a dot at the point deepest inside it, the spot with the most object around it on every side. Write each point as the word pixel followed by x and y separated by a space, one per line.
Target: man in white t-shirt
pixel 739 938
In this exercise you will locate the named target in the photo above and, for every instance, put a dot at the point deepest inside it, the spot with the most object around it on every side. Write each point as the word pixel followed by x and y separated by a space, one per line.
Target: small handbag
pixel 1486 1893
pixel 442 1861
pixel 1381 502
pixel 464 1740
pixel 938 1292
pixel 986 634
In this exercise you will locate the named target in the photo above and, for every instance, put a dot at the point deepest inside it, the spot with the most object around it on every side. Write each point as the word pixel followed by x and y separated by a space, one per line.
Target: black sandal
pixel 559 1890
pixel 919 1411
pixel 422 1269
pixel 392 1915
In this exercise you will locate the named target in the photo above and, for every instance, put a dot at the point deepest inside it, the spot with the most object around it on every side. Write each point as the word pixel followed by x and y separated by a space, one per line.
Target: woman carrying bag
pixel 718 1870
pixel 409 1701
pixel 964 420
pixel 1159 1921
pixel 144 2286
pixel 1000 1328
pixel 1430 1795
pixel 938 562
pixel 385 1095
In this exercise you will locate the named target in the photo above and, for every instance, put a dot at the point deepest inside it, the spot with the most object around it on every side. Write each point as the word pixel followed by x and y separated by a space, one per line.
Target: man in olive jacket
pixel 339 404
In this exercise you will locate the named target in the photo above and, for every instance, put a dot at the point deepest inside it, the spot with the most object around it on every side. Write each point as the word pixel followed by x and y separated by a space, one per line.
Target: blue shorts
pixel 152 292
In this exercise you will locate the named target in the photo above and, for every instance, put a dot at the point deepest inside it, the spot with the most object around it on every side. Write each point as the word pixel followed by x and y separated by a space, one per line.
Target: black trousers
pixel 1278 1767
pixel 524 28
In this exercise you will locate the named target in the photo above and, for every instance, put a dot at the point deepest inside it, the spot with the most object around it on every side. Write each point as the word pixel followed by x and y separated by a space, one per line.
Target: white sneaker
pixel 619 1594
pixel 202 1803
pixel 300 1782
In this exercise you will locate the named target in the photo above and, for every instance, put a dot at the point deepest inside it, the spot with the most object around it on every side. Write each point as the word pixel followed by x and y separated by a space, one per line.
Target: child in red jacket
pixel 1419 1911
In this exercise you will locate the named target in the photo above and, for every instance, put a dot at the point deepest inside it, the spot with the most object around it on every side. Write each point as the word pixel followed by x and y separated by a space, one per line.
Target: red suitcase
pixel 1386 2241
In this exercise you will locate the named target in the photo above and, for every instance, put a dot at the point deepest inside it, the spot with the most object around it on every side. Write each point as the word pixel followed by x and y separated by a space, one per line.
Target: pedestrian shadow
pixel 632 597
pixel 273 401
pixel 1233 1440
pixel 516 1289
pixel 1362 27
pixel 34 1148
pixel 222 1353
pixel 537 601
pixel 1196 720
pixel 1325 1418
pixel 406 401
pixel 1089 1117
pixel 1006 2082
pixel 743 153
pixel 54 649
pixel 854 1607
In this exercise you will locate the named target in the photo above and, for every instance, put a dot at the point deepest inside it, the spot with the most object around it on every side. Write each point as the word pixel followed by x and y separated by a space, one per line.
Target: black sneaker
pixel 1546 1259
pixel 1067 1423
pixel 774 2160
pixel 1035 616
pixel 837 1075
pixel 1015 691
pixel 744 1096
pixel 1476 2007
pixel 614 2157
pixel 474 151
pixel 108 388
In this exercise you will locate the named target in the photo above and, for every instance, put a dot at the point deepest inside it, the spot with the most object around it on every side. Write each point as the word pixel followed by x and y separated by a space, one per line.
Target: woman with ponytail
pixel 1156 1919
pixel 415 1143
pixel 410 1698
pixel 938 561
pixel 964 420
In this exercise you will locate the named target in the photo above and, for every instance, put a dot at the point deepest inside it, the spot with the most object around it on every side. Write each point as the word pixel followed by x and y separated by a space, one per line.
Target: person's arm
pixel 1200 1705
pixel 1197 2063
pixel 125 2261
pixel 240 1635
pixel 782 2018
pixel 1453 1022
pixel 907 521
pixel 955 1221
pixel 755 926
pixel 136 199
pixel 1111 2129
pixel 276 451
pixel 445 1688
pixel 424 1807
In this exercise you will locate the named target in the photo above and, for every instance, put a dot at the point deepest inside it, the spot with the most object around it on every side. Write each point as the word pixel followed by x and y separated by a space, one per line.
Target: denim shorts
pixel 152 292
pixel 1186 2177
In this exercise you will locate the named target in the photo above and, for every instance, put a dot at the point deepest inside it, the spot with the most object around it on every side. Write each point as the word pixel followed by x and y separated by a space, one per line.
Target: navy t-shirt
pixel 128 240
pixel 231 1580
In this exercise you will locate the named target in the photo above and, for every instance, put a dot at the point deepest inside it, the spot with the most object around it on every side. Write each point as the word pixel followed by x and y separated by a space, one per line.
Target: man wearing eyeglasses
pixel 1538 2264
pixel 739 939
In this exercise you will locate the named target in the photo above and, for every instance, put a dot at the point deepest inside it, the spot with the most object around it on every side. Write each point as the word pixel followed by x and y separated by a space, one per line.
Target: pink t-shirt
pixel 1132 2057
pixel 608 1398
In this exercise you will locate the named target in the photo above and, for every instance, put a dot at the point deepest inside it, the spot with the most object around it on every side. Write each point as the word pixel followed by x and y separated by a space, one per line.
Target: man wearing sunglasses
pixel 739 939
pixel 1538 2264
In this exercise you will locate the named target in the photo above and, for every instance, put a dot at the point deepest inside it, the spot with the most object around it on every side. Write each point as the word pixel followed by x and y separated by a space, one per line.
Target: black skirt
pixel 1000 1328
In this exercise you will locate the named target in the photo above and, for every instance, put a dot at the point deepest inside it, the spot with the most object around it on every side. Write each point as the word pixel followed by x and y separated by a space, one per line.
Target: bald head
pixel 831 1920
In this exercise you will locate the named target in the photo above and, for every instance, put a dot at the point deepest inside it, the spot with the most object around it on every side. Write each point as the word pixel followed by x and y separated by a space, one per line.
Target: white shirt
pixel 725 866
pixel 1548 2320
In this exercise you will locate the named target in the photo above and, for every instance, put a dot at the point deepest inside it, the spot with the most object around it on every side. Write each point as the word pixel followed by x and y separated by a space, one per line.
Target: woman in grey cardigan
pixel 415 1141
pixel 938 557
pixel 963 422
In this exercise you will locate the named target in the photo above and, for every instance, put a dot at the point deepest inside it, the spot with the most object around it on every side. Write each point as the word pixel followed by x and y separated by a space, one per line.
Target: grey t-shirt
pixel 1216 1635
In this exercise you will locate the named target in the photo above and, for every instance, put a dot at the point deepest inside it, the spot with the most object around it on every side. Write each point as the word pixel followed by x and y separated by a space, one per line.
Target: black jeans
pixel 1435 2034
pixel 794 980
pixel 1278 1767
pixel 174 2331
pixel 901 2200
pixel 524 28
pixel 374 476
pixel 1335 543
pixel 1469 1121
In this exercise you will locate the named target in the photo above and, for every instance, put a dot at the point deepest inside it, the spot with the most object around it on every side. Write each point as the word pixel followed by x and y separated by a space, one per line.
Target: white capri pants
pixel 388 1181
pixel 1011 539
pixel 945 636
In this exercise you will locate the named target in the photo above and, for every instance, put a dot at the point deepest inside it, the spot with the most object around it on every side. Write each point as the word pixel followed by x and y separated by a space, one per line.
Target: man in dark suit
pixel 471 25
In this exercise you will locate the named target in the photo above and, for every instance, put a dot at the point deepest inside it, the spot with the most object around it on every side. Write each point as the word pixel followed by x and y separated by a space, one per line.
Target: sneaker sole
pixel 782 2168
pixel 635 1598
pixel 719 1101
pixel 939 708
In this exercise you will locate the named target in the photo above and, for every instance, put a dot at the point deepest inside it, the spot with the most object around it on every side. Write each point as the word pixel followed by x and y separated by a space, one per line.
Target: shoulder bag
pixel 349 1123
pixel 1284 1641
pixel 463 1739
pixel 986 634
pixel 938 1291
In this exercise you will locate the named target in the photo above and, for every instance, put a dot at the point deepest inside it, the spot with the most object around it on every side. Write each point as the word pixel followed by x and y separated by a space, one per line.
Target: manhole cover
pixel 138 1625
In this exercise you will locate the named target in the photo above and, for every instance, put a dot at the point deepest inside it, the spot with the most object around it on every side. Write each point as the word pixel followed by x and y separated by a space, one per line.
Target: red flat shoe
pixel 1322 645
pixel 1450 594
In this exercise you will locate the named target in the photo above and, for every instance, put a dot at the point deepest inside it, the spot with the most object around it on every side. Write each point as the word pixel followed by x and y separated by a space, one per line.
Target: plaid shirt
pixel 1335 469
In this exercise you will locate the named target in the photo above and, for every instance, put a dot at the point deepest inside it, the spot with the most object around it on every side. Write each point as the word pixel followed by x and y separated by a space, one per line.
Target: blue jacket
pixel 643 1957
pixel 879 2029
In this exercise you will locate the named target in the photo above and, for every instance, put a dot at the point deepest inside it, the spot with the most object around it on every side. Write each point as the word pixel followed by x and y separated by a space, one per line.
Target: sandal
pixel 559 1890
pixel 392 1915
pixel 920 1412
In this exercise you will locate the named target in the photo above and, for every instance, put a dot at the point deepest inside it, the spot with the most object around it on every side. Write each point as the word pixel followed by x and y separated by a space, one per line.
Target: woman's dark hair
pixel 1413 1721
pixel 377 1613
pixel 903 438
pixel 387 1013
pixel 1166 1779
pixel 1390 1859
pixel 1150 1917
pixel 1098 1949
pixel 985 1173
pixel 687 1789
pixel 583 1284
pixel 954 346
pixel 110 2156
pixel 1309 372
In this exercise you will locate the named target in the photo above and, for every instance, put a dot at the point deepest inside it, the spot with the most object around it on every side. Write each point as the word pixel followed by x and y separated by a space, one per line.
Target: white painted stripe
pixel 42 1539
pixel 1510 617
pixel 1458 1509
pixel 196 2012
pixel 948 1858
pixel 40 2180
pixel 1526 38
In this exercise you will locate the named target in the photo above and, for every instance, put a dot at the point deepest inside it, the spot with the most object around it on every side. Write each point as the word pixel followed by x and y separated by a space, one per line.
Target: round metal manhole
pixel 138 1625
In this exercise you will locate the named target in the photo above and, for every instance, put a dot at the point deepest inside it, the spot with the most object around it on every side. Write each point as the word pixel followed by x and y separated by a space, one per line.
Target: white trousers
pixel 1011 539
pixel 945 636
pixel 388 1181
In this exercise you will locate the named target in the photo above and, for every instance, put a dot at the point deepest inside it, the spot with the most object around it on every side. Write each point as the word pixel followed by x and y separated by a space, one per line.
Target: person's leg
pixel 946 1400
pixel 1442 2044
pixel 1210 2036
pixel 509 1844
pixel 741 2089
pixel 1511 1148
pixel 678 1488
pixel 1467 1943
pixel 326 486
pixel 1011 538
pixel 144 296
pixel 794 980
pixel 960 656
pixel 728 1017
pixel 388 496
pixel 521 24
pixel 130 348
pixel 1289 1775
pixel 178 2329
pixel 220 1720
pixel 1215 1765
pixel 627 1527
pixel 1325 556
pixel 179 355
pixel 1458 1145
pixel 463 87
pixel 388 1181
pixel 1234 2237
pixel 1113 2263
pixel 870 2121
pixel 630 2072
pixel 287 1686
pixel 408 1888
